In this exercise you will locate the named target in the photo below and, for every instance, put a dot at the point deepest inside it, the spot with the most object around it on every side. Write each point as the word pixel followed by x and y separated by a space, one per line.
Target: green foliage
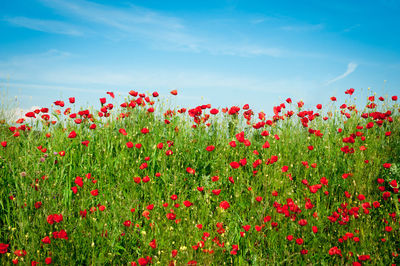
pixel 29 174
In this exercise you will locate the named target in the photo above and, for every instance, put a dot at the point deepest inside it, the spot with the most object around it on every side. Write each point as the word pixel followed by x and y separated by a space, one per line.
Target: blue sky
pixel 227 52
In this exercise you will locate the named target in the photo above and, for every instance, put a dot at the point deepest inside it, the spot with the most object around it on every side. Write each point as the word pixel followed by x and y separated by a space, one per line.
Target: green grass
pixel 102 238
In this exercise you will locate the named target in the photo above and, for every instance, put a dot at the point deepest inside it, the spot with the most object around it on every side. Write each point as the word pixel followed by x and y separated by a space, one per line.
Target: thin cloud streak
pixel 49 26
pixel 303 28
pixel 351 67
pixel 91 79
pixel 161 31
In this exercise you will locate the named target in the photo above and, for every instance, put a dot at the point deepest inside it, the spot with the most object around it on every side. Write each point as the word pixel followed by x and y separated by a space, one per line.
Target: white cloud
pixel 50 26
pixel 50 72
pixel 160 31
pixel 302 28
pixel 351 28
pixel 351 67
pixel 13 114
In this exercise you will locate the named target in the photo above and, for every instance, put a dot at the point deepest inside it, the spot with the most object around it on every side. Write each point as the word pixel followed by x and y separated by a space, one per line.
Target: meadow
pixel 137 181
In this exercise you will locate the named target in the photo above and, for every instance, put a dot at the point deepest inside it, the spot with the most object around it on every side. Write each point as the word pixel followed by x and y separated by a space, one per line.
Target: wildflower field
pixel 135 181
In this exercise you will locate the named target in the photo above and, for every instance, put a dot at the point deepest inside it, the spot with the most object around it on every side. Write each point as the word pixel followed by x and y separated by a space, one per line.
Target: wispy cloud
pixel 125 19
pixel 50 26
pixel 351 67
pixel 159 31
pixel 52 71
pixel 245 50
pixel 351 28
pixel 16 113
pixel 302 28
pixel 130 20
pixel 257 20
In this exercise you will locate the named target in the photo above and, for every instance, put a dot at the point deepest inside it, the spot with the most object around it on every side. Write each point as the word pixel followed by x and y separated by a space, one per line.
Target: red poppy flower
pixel 246 227
pixel 234 165
pixel 171 216
pixel 3 248
pixel 315 229
pixel 72 135
pixel 361 197
pixel 74 189
pixel 174 253
pixel 224 205
pixel 393 183
pixel 190 171
pixel 4 144
pixel 143 166
pixel 210 148
pixel 187 203
pixel 266 145
pixel 387 165
pixel 302 222
pixel 83 213
pixel 20 253
pixel 349 91
pixel 46 240
pixel 247 142
pixel 72 99
pixel 214 111
pixel 174 92
pixel 153 244
pixel 38 204
pixel 122 131
pixel 215 178
pixel 133 93
pixel 79 181
pixel 94 192
pixel 129 144
pixel 30 114
pixel 216 191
